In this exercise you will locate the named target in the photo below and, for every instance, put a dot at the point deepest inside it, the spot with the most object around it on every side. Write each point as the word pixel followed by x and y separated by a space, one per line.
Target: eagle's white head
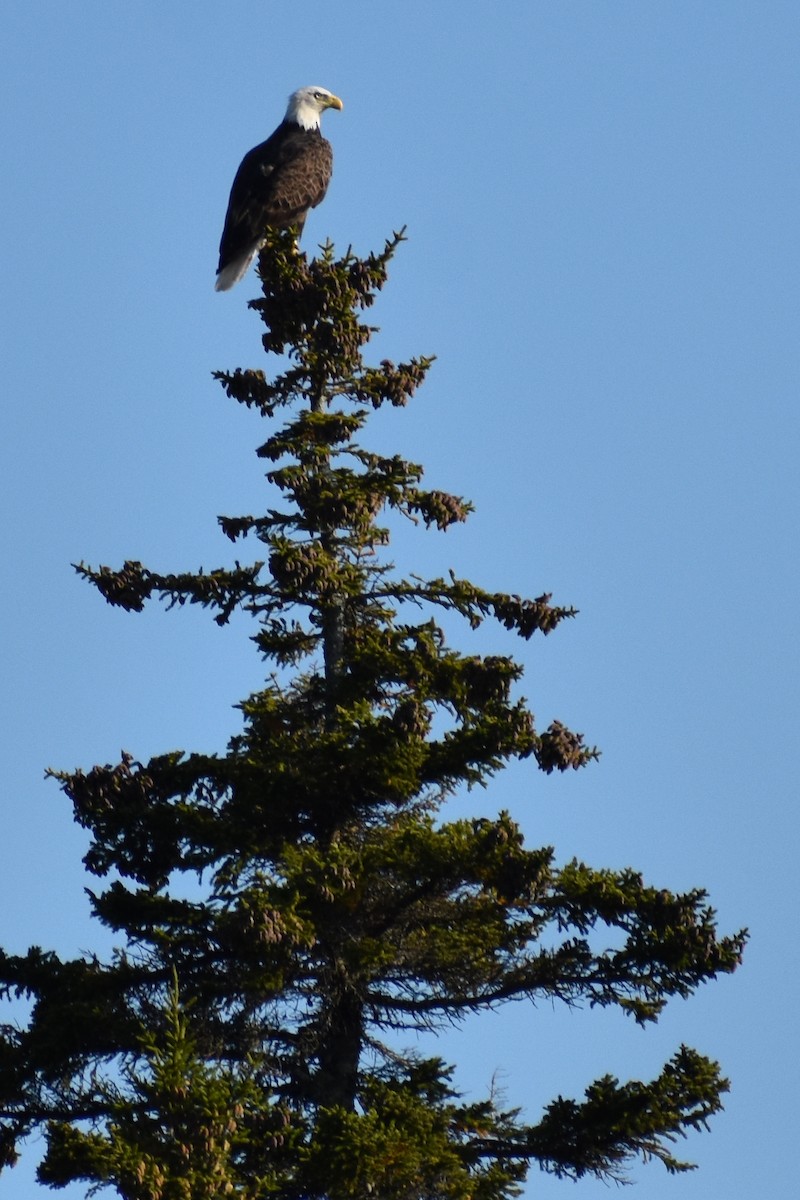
pixel 307 105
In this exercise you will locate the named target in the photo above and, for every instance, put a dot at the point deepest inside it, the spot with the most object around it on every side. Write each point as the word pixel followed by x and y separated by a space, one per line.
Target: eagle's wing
pixel 297 180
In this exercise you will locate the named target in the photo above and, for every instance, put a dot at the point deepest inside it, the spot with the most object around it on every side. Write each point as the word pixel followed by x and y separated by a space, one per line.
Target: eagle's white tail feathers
pixel 234 271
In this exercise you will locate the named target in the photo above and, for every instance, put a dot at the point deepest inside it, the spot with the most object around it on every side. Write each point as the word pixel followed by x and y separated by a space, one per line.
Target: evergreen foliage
pixel 243 1042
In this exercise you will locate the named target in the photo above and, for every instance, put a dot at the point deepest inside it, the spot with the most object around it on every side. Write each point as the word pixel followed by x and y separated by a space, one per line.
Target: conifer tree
pixel 243 1039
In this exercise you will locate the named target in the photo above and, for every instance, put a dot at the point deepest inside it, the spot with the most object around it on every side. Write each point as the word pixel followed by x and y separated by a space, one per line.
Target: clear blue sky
pixel 602 208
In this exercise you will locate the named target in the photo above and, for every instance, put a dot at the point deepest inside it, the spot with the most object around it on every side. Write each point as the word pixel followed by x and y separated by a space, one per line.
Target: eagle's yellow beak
pixel 334 102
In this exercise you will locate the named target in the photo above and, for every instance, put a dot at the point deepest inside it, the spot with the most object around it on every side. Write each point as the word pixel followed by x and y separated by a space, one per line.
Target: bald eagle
pixel 277 183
